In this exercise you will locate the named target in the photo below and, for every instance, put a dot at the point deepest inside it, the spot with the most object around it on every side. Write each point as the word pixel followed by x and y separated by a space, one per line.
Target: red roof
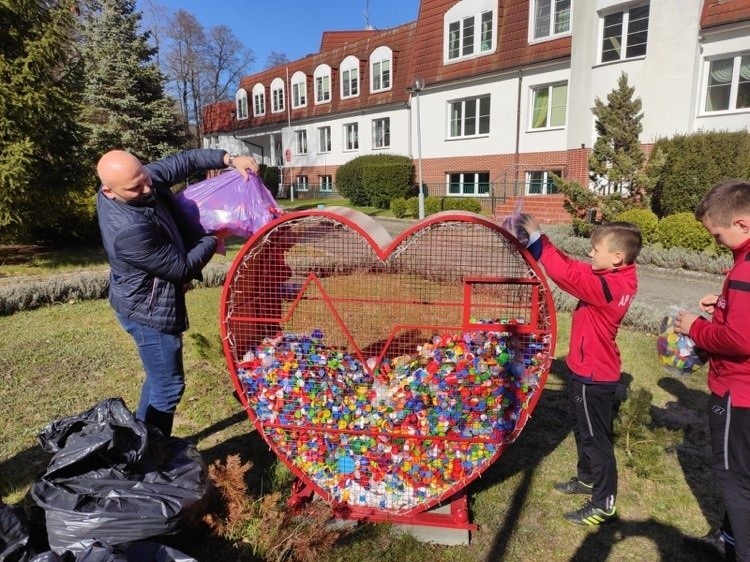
pixel 417 50
pixel 722 12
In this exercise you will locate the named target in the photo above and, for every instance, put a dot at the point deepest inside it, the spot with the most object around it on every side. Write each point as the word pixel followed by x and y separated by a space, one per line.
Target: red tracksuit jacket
pixel 604 298
pixel 727 336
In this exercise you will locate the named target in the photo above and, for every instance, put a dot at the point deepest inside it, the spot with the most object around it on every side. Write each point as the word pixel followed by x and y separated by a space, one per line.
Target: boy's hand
pixel 708 303
pixel 684 322
pixel 529 223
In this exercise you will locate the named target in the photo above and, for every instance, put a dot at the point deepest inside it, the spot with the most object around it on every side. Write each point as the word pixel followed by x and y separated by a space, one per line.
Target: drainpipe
pixel 516 155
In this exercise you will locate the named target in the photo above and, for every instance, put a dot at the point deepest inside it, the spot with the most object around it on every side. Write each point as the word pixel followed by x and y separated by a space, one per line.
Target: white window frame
pixel 301 183
pixel 463 181
pixel 324 139
pixel 381 133
pixel 627 37
pixel 299 90
pixel 277 96
pixel 469 30
pixel 351 141
pixel 259 100
pixel 560 19
pixel 475 103
pixel 349 77
pixel 736 82
pixel 381 69
pixel 550 89
pixel 544 181
pixel 322 77
pixel 300 141
pixel 240 103
pixel 326 183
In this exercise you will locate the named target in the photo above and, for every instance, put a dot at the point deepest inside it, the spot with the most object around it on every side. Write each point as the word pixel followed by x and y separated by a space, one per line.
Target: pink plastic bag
pixel 512 223
pixel 229 203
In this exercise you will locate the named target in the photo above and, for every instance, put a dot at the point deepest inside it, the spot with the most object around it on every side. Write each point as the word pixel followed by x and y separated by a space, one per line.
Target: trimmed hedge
pixel 683 230
pixel 644 219
pixel 351 181
pixel 385 182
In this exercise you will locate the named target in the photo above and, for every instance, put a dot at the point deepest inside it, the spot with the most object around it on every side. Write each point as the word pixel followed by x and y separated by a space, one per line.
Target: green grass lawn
pixel 61 360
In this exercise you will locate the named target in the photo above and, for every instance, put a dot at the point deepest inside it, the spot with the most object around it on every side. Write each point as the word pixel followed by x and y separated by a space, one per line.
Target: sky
pixel 293 27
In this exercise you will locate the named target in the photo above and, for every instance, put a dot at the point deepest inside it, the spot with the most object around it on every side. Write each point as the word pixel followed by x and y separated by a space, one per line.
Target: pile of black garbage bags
pixel 114 490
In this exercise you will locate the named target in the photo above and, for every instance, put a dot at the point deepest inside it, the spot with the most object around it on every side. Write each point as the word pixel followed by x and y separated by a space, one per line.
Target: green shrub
pixel 399 207
pixel 683 230
pixel 462 204
pixel 432 205
pixel 384 182
pixel 644 219
pixel 271 179
pixel 350 178
pixel 412 207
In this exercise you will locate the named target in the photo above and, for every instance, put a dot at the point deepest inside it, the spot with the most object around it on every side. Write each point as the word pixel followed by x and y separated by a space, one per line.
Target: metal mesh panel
pixel 387 378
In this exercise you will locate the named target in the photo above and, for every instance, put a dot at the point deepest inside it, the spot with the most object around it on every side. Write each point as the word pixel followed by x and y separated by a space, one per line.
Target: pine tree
pixel 40 165
pixel 124 102
pixel 616 162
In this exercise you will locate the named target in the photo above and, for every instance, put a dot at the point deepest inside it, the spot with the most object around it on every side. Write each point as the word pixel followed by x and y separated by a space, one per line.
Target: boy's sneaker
pixel 574 486
pixel 712 543
pixel 590 515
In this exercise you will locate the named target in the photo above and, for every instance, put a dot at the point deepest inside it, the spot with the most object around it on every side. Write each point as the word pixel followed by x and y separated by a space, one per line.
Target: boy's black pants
pixel 591 406
pixel 729 427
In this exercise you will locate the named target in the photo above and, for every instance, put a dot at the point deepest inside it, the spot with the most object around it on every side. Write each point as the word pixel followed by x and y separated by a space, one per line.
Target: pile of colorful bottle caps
pixel 396 433
pixel 677 352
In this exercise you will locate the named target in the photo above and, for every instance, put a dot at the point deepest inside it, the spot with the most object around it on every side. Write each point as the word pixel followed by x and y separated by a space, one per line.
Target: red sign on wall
pixel 288 155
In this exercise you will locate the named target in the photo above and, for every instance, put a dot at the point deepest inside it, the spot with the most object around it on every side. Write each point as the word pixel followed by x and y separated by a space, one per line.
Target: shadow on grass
pixel 688 413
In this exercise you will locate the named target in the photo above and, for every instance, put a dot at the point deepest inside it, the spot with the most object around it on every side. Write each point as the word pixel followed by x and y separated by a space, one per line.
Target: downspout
pixel 517 155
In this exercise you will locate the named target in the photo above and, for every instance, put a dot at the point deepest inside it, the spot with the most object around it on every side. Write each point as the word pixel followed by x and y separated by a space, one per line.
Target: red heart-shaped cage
pixel 387 373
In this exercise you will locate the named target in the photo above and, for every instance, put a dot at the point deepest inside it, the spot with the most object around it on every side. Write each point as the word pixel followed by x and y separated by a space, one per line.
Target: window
pixel 259 100
pixel 326 184
pixel 381 133
pixel 300 142
pixel 380 65
pixel 324 139
pixel 301 182
pixel 541 183
pixel 323 84
pixel 728 86
pixel 625 34
pixel 351 136
pixel 550 18
pixel 470 117
pixel 299 90
pixel 469 184
pixel 240 101
pixel 549 106
pixel 469 29
pixel 350 77
pixel 277 95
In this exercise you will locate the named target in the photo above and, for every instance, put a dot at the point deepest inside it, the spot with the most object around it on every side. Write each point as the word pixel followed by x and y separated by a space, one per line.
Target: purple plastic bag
pixel 229 203
pixel 512 223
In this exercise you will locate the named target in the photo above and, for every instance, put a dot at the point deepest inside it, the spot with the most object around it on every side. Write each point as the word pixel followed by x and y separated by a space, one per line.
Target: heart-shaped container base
pixel 387 374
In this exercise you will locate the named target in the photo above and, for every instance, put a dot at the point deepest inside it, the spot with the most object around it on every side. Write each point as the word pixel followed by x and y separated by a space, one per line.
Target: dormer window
pixel 299 90
pixel 380 69
pixel 350 77
pixel 240 102
pixel 322 77
pixel 549 19
pixel 469 30
pixel 259 100
pixel 277 95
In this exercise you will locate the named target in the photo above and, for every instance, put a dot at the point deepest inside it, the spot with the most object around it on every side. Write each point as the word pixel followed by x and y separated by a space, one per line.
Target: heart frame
pixel 386 373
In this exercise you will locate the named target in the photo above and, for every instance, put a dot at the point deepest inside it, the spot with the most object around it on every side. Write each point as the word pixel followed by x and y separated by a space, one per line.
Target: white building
pixel 507 91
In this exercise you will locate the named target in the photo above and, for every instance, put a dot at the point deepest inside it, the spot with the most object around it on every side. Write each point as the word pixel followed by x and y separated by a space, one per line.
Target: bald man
pixel 154 252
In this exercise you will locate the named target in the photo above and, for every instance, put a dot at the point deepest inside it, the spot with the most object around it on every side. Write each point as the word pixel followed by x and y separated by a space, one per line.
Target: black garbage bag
pixel 102 551
pixel 114 478
pixel 14 534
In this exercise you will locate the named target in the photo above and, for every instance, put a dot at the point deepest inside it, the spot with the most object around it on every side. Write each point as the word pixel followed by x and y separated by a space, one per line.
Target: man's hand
pixel 529 223
pixel 708 303
pixel 243 164
pixel 684 321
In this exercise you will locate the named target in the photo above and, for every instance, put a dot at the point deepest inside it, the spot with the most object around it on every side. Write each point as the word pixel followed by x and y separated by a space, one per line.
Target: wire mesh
pixel 387 377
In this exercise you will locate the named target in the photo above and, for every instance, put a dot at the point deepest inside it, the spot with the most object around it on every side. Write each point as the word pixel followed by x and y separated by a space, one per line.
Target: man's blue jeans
pixel 161 355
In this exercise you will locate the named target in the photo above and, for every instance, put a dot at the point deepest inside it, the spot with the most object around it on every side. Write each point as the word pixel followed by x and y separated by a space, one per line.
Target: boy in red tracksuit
pixel 605 289
pixel 725 213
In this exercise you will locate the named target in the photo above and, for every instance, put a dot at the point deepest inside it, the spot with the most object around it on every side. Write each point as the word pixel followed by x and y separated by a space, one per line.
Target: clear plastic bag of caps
pixel 677 352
